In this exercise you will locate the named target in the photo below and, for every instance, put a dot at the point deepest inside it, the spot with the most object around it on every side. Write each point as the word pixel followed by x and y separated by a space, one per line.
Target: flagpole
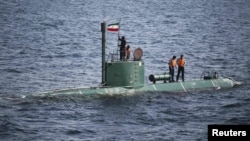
pixel 103 30
pixel 118 39
pixel 119 36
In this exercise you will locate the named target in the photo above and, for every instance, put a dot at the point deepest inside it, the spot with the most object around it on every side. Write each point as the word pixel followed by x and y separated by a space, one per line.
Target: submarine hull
pixel 212 84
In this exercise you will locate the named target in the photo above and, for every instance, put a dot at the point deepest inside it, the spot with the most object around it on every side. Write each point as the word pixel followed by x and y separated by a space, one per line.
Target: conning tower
pixel 129 73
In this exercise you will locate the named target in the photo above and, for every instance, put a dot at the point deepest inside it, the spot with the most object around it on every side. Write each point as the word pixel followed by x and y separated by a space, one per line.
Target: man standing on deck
pixel 181 62
pixel 172 65
pixel 122 48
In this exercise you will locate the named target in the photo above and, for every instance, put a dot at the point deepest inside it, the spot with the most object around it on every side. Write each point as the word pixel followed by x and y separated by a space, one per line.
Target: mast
pixel 103 30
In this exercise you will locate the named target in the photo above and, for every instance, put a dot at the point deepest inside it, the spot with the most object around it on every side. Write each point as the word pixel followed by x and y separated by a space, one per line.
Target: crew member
pixel 127 52
pixel 181 62
pixel 122 48
pixel 172 65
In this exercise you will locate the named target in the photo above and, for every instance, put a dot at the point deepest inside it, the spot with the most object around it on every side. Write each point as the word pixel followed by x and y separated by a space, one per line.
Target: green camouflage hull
pixel 212 84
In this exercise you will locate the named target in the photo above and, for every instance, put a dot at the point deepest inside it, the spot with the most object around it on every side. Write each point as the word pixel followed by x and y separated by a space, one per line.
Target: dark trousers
pixel 180 70
pixel 171 73
pixel 122 55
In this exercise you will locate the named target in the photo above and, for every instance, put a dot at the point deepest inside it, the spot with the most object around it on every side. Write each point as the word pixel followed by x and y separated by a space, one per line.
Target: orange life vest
pixel 181 62
pixel 172 62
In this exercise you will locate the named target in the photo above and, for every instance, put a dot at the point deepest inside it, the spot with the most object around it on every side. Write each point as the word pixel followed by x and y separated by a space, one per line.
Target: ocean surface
pixel 56 44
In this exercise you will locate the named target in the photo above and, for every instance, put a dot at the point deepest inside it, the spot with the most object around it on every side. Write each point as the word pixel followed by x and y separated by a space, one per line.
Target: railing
pixel 209 75
pixel 115 57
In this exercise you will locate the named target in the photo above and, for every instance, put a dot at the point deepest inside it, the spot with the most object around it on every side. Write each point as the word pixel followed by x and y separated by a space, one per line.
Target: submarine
pixel 127 77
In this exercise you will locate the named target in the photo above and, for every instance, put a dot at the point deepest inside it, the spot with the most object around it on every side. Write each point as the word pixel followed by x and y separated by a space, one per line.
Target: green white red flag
pixel 113 27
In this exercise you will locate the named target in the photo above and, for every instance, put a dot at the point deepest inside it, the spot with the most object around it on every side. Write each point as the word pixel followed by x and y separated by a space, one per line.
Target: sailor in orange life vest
pixel 180 62
pixel 172 65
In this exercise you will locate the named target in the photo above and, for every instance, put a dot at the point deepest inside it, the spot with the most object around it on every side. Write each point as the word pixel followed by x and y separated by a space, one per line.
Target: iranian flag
pixel 113 27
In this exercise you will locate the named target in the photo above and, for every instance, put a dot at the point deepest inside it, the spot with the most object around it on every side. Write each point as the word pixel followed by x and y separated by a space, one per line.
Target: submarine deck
pixel 186 86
